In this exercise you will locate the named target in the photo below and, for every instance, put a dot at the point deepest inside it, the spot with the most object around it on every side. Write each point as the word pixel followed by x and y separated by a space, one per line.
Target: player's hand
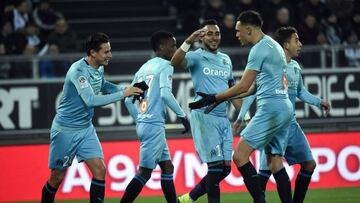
pixel 325 105
pixel 212 106
pixel 131 91
pixel 206 100
pixel 143 86
pixel 195 36
pixel 238 126
pixel 186 124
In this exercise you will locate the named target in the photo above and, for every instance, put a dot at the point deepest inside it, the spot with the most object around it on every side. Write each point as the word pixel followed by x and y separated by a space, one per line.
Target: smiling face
pixel 103 56
pixel 211 38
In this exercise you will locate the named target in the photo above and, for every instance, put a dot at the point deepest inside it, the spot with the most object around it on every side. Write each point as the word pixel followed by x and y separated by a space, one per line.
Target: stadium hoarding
pixel 31 105
pixel 337 156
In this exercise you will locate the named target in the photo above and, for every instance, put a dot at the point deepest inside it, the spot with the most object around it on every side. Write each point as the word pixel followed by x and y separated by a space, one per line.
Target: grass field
pixel 336 195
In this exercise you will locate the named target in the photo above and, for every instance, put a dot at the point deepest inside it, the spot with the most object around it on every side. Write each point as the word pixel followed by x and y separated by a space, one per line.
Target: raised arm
pixel 178 60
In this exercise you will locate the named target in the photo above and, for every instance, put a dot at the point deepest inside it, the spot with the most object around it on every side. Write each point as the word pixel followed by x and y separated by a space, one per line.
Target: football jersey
pixel 296 86
pixel 157 73
pixel 268 59
pixel 81 87
pixel 210 73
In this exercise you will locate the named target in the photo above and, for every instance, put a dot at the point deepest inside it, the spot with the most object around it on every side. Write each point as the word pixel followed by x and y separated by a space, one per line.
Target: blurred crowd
pixel 319 22
pixel 34 28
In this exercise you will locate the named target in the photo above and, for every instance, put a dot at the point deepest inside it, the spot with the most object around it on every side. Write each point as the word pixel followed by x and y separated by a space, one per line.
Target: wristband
pixel 185 47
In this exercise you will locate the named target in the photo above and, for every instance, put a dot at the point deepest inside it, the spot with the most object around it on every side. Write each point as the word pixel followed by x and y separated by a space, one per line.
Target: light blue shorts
pixel 297 150
pixel 153 146
pixel 269 127
pixel 66 143
pixel 212 136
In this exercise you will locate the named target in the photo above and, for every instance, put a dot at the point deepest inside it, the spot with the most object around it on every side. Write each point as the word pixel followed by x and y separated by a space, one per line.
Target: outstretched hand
pixel 206 100
pixel 186 124
pixel 325 105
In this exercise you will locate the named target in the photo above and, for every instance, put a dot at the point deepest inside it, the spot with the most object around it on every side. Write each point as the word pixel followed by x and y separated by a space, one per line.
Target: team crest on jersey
pixel 225 62
pixel 83 82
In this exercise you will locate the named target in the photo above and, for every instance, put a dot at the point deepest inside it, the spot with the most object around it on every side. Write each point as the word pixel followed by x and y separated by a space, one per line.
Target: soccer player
pixel 297 150
pixel 72 132
pixel 211 72
pixel 267 130
pixel 149 116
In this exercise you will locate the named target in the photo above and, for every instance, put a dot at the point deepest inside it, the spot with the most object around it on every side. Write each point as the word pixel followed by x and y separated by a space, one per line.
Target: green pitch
pixel 336 195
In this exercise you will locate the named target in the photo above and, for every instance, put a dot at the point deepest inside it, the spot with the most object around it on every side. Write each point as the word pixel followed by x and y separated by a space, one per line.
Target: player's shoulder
pixel 77 68
pixel 194 53
pixel 223 55
pixel 295 64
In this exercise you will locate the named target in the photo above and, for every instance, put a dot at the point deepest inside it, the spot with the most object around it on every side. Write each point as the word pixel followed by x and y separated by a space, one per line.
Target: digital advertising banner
pixel 337 156
pixel 32 105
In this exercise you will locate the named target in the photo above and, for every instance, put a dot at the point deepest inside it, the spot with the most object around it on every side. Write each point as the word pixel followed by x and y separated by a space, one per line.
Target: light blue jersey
pixel 82 85
pixel 269 127
pixel 210 73
pixel 157 73
pixel 268 59
pixel 72 133
pixel 297 148
pixel 150 114
pixel 296 87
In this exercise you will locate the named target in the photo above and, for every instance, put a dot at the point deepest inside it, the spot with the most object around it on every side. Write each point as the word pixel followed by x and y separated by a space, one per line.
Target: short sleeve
pixel 80 81
pixel 256 58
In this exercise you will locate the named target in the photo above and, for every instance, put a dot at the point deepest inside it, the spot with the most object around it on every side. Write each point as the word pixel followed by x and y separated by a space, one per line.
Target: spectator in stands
pixel 321 38
pixel 15 42
pixel 188 12
pixel 309 29
pixel 45 17
pixel 228 32
pixel 51 68
pixel 34 44
pixel 352 50
pixel 62 37
pixel 238 6
pixel 268 9
pixel 282 20
pixel 214 9
pixel 318 8
pixel 4 66
pixel 332 30
pixel 19 15
pixel 355 23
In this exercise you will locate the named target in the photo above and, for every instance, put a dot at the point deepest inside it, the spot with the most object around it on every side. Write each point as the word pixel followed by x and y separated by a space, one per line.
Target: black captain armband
pixel 231 82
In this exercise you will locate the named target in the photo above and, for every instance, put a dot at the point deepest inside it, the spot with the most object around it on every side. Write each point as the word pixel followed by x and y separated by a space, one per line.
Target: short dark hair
pixel 158 37
pixel 209 22
pixel 94 41
pixel 250 17
pixel 283 34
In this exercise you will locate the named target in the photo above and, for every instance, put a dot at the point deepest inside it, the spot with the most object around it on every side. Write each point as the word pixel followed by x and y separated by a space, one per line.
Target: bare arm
pixel 242 87
pixel 178 60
